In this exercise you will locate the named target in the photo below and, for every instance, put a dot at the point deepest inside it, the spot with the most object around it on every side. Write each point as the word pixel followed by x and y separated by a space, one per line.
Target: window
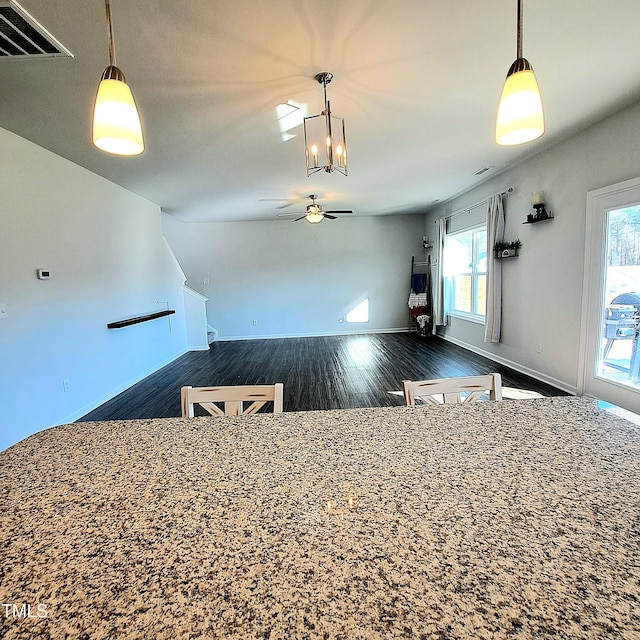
pixel 465 271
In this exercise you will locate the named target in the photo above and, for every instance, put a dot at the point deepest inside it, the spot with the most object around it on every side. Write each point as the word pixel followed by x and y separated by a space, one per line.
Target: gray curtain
pixel 495 233
pixel 439 310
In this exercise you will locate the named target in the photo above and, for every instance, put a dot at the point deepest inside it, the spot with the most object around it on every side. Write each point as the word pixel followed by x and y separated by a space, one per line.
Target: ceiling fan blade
pixel 338 211
pixel 326 215
pixel 288 215
pixel 288 201
pixel 301 218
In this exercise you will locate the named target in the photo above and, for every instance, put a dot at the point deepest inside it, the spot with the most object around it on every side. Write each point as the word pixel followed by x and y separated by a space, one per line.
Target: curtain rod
pixel 477 204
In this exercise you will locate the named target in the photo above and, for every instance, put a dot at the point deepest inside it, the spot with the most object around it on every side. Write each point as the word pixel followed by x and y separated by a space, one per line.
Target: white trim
pixel 470 317
pixel 599 201
pixel 532 373
pixel 194 294
pixel 474 227
pixel 114 392
pixel 448 279
pixel 355 332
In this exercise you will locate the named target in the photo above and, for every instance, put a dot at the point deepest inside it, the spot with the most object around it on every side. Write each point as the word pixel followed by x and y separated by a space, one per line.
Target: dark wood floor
pixel 333 372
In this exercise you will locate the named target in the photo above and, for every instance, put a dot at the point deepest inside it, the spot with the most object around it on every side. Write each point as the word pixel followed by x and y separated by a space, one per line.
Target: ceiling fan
pixel 315 213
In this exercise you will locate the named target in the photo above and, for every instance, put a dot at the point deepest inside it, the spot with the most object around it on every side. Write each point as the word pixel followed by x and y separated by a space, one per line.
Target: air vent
pixel 479 172
pixel 22 36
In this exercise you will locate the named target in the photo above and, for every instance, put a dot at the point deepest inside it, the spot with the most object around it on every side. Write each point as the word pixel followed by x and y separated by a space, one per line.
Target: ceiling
pixel 417 81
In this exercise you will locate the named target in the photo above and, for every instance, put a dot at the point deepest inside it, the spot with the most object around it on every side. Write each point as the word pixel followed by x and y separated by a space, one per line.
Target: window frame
pixel 449 279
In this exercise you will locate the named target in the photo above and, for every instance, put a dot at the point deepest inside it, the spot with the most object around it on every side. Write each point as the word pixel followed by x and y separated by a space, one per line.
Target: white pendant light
pixel 520 115
pixel 116 123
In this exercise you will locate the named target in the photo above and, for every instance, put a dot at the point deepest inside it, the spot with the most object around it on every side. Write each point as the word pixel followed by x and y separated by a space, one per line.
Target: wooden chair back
pixel 453 390
pixel 233 399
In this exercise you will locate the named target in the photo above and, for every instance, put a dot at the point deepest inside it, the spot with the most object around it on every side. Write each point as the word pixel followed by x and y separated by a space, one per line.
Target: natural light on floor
pixel 360 352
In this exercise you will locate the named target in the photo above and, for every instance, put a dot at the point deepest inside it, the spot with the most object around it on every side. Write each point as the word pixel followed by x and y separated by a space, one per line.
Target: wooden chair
pixel 452 389
pixel 232 398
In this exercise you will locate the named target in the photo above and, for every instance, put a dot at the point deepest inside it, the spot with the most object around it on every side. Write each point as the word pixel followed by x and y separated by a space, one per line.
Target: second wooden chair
pixel 453 390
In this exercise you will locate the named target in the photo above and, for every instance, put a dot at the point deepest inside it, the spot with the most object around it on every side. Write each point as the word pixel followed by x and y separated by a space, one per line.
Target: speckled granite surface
pixel 512 520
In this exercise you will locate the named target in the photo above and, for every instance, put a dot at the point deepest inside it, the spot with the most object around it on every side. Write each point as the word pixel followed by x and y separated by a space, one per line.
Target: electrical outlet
pixel 66 385
pixel 539 347
pixel 255 323
pixel 206 281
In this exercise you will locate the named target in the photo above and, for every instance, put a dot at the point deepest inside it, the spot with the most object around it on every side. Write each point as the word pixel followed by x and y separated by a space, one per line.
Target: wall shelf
pixel 119 324
pixel 509 249
pixel 534 221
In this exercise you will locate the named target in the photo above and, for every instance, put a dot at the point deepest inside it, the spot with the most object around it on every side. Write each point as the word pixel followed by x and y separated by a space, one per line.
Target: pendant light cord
pixel 112 46
pixel 324 84
pixel 519 40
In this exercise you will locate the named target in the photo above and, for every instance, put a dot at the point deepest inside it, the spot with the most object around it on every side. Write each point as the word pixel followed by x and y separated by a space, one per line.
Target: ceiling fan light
pixel 314 216
pixel 520 115
pixel 116 123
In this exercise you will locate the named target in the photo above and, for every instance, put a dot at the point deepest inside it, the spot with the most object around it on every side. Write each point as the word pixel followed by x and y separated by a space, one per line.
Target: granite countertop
pixel 518 519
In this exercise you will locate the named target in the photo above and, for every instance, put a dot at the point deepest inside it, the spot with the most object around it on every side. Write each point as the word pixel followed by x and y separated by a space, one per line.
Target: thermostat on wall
pixel 43 274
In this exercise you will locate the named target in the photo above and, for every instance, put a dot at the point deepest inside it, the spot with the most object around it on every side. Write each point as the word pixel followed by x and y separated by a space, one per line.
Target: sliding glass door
pixel 610 346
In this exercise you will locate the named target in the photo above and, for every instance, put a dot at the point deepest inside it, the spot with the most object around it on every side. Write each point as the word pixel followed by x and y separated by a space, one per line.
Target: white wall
pixel 542 288
pixel 109 261
pixel 297 279
pixel 195 313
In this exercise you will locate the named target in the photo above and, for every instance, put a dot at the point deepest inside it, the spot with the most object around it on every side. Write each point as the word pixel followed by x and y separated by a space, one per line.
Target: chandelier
pixel 324 139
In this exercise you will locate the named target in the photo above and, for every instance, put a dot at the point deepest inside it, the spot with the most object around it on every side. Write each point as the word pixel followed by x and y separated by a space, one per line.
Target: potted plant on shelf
pixel 507 249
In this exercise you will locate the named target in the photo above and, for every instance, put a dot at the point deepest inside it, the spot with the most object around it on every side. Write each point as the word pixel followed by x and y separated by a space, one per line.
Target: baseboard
pixel 319 334
pixel 532 373
pixel 114 392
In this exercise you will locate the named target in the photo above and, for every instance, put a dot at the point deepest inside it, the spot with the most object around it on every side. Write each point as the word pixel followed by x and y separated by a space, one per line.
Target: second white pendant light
pixel 520 115
pixel 116 123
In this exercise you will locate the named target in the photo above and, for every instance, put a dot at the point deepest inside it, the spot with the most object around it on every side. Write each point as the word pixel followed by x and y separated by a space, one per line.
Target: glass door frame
pixel 599 203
